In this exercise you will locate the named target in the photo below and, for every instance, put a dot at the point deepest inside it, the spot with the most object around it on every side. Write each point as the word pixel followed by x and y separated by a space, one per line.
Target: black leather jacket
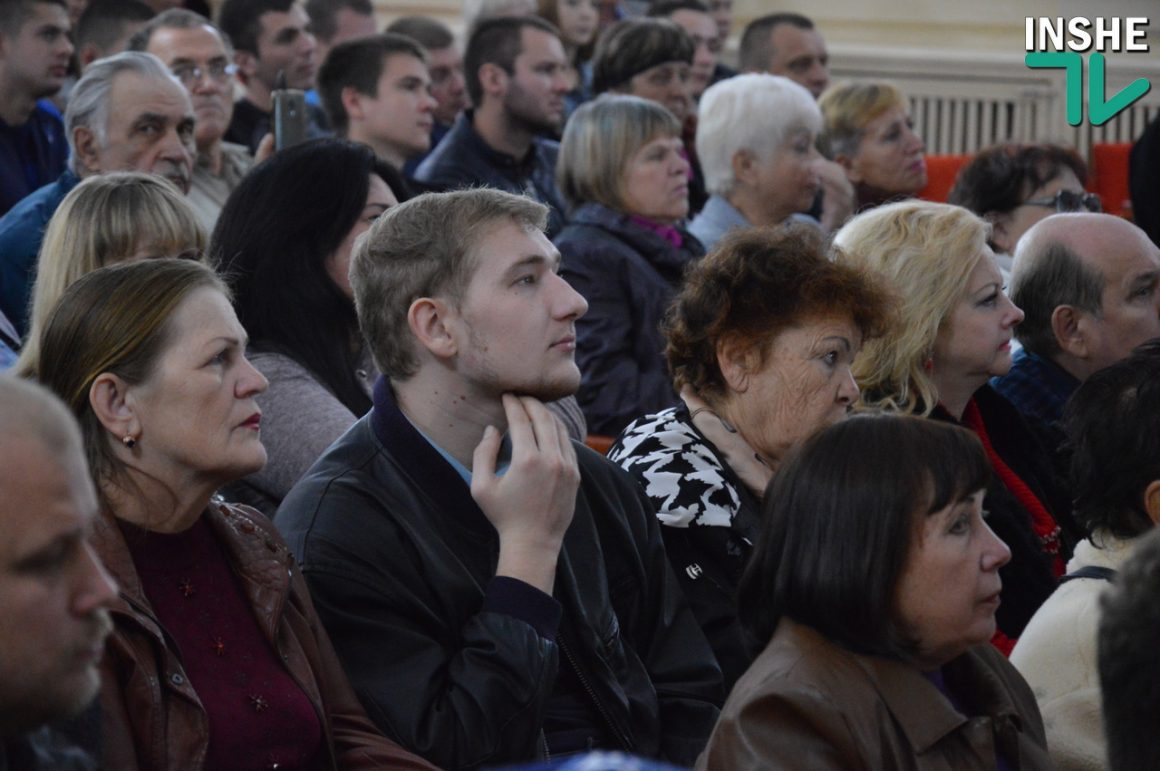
pixel 400 562
pixel 462 159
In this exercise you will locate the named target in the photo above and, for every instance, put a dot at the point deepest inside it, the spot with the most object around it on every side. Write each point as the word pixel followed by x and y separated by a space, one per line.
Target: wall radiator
pixel 963 102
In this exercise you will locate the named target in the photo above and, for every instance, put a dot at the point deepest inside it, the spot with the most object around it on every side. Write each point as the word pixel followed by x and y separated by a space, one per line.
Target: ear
pixel 1069 329
pixel 87 55
pixel 429 320
pixel 1000 231
pixel 87 149
pixel 247 64
pixel 492 79
pixel 352 103
pixel 1152 501
pixel 735 362
pixel 109 398
pixel 847 163
pixel 744 163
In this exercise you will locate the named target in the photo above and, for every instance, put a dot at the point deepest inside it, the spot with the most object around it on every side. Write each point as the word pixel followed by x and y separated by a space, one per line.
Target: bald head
pixel 31 416
pixel 54 593
pixel 1090 287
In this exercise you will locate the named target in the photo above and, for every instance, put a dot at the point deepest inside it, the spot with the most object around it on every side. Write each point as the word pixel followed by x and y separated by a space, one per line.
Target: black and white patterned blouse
pixel 710 521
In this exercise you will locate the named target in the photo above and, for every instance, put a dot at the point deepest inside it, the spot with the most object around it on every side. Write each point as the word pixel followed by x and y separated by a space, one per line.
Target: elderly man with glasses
pixel 1089 285
pixel 198 56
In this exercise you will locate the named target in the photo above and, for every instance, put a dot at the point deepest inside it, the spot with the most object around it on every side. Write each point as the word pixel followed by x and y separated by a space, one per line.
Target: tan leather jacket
pixel 807 703
pixel 151 717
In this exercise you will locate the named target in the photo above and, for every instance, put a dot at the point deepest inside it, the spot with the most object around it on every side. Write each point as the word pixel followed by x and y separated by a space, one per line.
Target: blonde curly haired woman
pixel 955 331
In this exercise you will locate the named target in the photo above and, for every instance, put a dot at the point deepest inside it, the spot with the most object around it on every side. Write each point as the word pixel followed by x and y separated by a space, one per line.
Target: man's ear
pixel 1152 501
pixel 87 149
pixel 247 64
pixel 430 322
pixel 1068 325
pixel 493 79
pixel 88 54
pixel 109 398
pixel 352 103
pixel 735 360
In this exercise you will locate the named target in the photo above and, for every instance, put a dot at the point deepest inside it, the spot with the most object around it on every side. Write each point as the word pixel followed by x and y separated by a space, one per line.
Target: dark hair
pixel 324 14
pixel 1113 427
pixel 174 18
pixel 359 64
pixel 497 40
pixel 752 286
pixel 429 33
pixel 665 8
pixel 240 20
pixel 1128 629
pixel 1048 274
pixel 630 47
pixel 756 48
pixel 13 13
pixel 1001 177
pixel 272 241
pixel 103 21
pixel 839 521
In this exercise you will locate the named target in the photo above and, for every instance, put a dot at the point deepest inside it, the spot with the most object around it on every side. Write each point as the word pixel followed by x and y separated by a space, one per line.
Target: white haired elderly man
pixel 126 113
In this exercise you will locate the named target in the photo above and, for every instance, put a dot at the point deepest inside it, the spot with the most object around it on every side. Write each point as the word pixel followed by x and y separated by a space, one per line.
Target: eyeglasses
pixel 191 74
pixel 1069 201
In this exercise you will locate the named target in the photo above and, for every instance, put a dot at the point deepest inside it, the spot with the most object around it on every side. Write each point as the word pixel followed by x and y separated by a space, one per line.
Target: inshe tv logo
pixel 1046 40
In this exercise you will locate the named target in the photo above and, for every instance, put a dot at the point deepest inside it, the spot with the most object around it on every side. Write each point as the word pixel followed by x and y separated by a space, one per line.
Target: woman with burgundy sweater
pixel 217 659
pixel 954 334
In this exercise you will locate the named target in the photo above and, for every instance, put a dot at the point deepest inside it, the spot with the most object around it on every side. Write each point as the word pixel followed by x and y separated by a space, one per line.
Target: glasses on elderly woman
pixel 1069 201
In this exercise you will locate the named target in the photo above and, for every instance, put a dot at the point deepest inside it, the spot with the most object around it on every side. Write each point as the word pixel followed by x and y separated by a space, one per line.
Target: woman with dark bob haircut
pixel 761 340
pixel 283 241
pixel 874 583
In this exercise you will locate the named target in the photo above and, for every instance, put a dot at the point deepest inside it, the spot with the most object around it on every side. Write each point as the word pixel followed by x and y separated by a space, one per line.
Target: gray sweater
pixel 300 419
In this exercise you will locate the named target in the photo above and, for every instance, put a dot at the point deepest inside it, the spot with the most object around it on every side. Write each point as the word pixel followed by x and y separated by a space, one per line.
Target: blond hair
pixel 926 252
pixel 847 108
pixel 425 247
pixel 106 219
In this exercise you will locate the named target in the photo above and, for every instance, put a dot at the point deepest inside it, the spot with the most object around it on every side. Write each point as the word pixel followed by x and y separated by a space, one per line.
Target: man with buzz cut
pixel 34 56
pixel 270 37
pixel 516 74
pixel 496 592
pixel 376 91
pixel 54 592
pixel 786 44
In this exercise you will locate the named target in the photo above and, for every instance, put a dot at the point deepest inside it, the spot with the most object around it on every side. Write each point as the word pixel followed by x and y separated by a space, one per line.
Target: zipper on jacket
pixel 625 742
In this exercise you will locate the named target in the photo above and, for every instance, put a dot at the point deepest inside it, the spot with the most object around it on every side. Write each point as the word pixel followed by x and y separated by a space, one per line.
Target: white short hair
pixel 754 112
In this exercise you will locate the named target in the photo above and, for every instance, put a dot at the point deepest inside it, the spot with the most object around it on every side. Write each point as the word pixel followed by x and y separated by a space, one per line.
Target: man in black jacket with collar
pixel 496 592
pixel 516 73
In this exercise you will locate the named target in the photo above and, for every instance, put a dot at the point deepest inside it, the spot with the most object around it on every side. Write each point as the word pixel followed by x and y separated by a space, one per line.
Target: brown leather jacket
pixel 809 703
pixel 152 719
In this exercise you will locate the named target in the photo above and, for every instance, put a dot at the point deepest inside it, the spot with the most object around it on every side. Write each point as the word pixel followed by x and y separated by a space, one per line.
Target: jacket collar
pixel 422 462
pixel 258 557
pixel 924 714
pixel 669 260
pixel 465 133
